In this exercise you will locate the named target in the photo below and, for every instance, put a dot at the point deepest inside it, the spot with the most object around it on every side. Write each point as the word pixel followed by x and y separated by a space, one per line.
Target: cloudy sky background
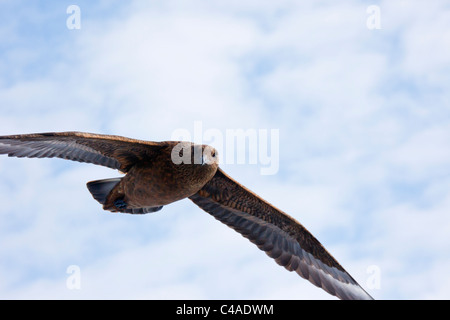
pixel 364 142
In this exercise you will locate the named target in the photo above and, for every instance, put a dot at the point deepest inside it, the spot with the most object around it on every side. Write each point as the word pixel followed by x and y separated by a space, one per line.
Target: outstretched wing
pixel 276 233
pixel 110 151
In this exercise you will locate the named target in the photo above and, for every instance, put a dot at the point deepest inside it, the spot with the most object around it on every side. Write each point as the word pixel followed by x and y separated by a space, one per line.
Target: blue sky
pixel 364 133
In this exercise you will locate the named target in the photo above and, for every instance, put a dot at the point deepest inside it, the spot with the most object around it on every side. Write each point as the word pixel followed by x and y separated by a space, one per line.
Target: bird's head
pixel 200 156
pixel 197 161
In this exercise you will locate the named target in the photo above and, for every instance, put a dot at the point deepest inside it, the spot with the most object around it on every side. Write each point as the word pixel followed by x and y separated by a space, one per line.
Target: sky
pixel 356 93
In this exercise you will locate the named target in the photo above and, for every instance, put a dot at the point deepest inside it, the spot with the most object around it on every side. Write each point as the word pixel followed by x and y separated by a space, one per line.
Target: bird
pixel 159 173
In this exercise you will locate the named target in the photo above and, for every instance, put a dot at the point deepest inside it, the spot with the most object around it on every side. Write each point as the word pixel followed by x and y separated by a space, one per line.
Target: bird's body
pixel 159 173
pixel 156 180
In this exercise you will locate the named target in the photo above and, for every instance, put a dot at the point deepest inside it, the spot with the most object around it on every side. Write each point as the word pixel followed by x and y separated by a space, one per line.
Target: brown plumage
pixel 159 173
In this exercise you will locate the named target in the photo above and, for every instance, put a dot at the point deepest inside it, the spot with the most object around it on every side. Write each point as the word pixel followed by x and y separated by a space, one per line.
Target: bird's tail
pixel 100 189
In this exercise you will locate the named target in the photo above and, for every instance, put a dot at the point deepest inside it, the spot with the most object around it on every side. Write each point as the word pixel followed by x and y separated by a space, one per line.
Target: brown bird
pixel 159 173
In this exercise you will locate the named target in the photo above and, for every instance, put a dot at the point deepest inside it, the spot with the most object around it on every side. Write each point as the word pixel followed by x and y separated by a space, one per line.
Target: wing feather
pixel 106 150
pixel 280 236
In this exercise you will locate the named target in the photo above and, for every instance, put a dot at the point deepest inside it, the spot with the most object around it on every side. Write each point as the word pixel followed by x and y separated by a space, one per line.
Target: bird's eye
pixel 181 153
pixel 213 154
